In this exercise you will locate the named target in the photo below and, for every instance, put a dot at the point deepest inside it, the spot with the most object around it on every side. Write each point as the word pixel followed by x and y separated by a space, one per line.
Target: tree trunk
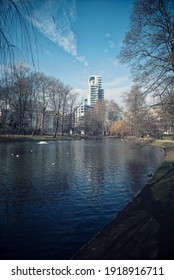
pixel 57 127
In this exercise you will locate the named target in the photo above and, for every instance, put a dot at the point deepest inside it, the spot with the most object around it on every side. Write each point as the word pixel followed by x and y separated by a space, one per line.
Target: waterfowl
pixel 43 142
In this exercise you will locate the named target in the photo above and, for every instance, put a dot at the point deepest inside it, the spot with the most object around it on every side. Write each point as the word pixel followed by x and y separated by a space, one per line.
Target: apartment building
pixel 80 113
pixel 95 90
pixel 95 95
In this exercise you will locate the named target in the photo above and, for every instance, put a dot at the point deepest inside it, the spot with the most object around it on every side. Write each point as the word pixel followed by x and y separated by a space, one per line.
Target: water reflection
pixel 55 197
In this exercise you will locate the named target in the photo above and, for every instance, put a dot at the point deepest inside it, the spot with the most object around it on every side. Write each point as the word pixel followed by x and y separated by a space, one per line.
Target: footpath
pixel 145 227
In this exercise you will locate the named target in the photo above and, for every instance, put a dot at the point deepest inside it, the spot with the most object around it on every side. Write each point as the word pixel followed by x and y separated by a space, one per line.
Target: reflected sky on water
pixel 55 197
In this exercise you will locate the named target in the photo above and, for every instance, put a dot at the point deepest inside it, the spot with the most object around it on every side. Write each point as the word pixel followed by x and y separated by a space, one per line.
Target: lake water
pixel 57 196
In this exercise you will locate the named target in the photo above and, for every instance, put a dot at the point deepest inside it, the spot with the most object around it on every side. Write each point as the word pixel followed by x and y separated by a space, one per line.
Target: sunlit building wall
pixel 95 90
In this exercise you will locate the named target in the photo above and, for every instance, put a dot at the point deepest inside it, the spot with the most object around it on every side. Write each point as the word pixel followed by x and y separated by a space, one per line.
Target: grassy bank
pixel 168 145
pixel 20 138
pixel 145 228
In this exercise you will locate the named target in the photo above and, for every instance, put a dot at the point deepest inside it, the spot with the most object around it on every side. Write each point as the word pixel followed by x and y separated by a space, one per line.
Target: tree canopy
pixel 148 45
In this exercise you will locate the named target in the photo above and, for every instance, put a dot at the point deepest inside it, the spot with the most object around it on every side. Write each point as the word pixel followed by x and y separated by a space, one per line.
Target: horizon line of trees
pixel 148 48
pixel 141 119
pixel 27 97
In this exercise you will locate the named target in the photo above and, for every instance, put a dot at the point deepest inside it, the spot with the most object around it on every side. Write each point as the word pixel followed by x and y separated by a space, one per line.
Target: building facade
pixel 95 90
pixel 95 95
pixel 80 113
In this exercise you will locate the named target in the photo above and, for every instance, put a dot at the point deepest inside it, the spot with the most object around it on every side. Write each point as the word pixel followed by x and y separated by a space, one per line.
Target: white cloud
pixel 82 93
pixel 115 88
pixel 116 94
pixel 82 59
pixel 116 61
pixel 54 20
pixel 107 35
pixel 47 52
pixel 115 82
pixel 111 43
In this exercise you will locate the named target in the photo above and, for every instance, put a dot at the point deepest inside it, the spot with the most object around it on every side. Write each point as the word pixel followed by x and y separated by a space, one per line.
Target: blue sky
pixel 79 38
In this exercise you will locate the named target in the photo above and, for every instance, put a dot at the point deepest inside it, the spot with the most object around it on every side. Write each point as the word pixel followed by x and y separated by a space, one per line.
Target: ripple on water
pixel 49 211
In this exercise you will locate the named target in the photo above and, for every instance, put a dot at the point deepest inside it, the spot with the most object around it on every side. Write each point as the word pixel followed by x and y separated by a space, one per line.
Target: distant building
pixel 95 95
pixel 95 90
pixel 65 123
pixel 80 113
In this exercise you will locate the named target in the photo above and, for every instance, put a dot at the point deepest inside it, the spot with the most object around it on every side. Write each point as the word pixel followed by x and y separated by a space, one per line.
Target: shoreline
pixel 23 138
pixel 144 229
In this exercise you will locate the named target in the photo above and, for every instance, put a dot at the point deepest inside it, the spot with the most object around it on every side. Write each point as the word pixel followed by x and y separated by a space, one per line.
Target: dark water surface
pixel 55 197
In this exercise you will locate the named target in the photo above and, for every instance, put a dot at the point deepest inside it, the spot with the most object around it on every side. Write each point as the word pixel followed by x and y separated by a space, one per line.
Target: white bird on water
pixel 42 142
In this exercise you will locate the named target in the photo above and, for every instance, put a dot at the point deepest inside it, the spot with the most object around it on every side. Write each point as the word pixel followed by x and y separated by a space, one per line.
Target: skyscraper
pixel 95 91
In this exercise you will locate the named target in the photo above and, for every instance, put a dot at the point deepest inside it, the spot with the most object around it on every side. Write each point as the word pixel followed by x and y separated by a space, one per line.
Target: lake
pixel 55 197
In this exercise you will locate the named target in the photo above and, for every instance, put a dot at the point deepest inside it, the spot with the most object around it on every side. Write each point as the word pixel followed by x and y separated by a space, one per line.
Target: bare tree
pixel 56 100
pixel 98 119
pixel 20 93
pixel 167 109
pixel 44 89
pixel 17 33
pixel 136 110
pixel 72 106
pixel 4 103
pixel 101 114
pixel 65 103
pixel 34 103
pixel 114 112
pixel 118 128
pixel 149 44
pixel 93 124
